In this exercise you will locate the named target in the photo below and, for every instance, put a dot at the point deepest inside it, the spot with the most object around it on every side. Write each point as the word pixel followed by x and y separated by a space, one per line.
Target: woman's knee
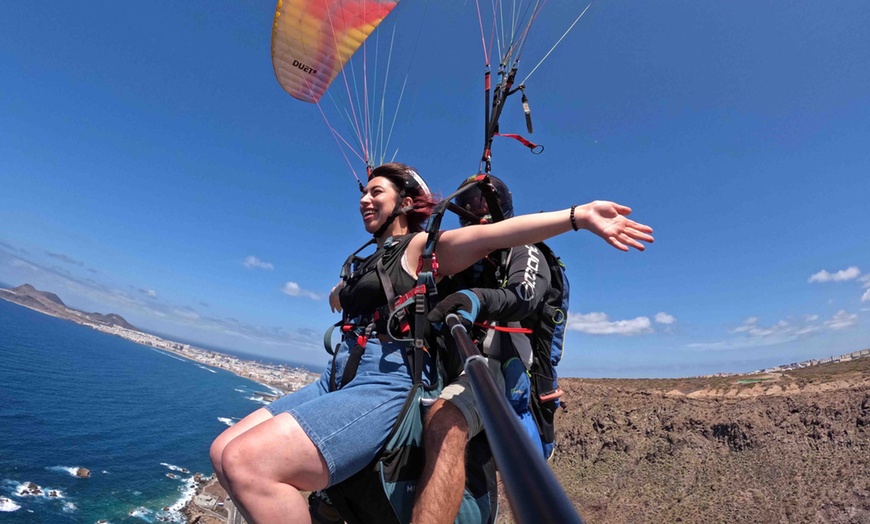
pixel 236 460
pixel 215 452
pixel 277 451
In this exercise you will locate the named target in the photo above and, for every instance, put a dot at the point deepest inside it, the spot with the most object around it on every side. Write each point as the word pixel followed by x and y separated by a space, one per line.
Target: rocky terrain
pixel 792 448
pixel 50 304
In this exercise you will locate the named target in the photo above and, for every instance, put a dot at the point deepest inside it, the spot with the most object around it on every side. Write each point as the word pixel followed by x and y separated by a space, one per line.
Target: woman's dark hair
pixel 409 184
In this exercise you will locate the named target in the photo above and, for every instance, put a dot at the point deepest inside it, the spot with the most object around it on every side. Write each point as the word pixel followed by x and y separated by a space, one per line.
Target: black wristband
pixel 573 222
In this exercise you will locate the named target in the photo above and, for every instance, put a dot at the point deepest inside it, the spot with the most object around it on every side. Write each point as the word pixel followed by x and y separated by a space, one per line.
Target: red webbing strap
pixel 504 329
pixel 519 139
pixel 553 395
pixel 418 289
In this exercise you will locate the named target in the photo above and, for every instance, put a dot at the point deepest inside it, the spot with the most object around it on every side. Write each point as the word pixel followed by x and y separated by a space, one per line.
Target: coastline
pixel 280 377
pixel 208 505
pixel 206 502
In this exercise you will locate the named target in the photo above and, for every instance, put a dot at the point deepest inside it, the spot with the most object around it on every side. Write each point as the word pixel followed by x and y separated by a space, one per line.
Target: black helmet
pixel 474 200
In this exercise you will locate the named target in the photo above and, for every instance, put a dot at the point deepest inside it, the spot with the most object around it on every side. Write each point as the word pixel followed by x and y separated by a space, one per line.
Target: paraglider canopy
pixel 313 39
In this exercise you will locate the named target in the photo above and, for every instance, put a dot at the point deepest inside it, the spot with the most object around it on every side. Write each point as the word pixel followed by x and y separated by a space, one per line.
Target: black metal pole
pixel 533 491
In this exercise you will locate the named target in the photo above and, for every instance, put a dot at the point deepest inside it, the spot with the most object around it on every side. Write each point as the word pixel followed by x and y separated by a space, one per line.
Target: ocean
pixel 139 419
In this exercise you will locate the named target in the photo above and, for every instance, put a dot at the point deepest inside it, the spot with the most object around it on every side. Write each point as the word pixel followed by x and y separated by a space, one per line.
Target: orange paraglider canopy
pixel 313 39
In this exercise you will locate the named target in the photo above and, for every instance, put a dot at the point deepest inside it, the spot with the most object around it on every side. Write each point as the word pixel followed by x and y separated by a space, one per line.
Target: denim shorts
pixel 351 425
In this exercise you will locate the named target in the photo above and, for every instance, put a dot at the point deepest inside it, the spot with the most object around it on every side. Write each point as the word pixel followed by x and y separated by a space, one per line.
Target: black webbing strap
pixel 389 292
pixel 348 266
pixel 419 332
pixel 527 110
pixel 491 196
pixel 332 385
pixel 354 358
pixel 356 352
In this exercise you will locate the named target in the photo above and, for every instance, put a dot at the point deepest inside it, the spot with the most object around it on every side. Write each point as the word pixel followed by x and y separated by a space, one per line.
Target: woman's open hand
pixel 334 302
pixel 609 221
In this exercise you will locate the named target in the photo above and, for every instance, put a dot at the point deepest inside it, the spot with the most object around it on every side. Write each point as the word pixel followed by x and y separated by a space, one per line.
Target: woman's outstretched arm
pixel 457 249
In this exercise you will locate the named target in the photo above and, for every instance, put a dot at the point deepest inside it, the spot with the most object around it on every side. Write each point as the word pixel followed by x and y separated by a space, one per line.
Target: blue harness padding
pixel 518 389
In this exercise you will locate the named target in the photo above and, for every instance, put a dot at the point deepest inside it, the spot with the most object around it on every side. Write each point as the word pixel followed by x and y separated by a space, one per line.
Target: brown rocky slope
pixel 790 447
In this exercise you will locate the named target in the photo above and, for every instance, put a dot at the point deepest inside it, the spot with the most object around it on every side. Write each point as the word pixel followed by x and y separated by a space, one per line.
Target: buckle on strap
pixel 416 290
pixel 434 264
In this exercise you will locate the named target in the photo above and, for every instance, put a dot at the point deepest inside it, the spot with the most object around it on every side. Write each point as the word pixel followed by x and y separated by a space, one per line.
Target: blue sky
pixel 151 165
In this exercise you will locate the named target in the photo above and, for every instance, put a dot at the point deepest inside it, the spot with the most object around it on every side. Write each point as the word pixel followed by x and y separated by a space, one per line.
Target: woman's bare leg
pixel 217 447
pixel 267 465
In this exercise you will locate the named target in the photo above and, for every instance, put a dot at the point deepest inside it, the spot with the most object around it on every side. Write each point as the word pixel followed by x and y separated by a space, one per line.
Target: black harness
pixel 392 319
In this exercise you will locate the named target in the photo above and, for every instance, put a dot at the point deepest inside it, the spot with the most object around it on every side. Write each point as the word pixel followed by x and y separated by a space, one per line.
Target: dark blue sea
pixel 141 420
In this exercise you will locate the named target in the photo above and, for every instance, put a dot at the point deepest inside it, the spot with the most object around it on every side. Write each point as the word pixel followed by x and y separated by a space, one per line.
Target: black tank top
pixel 363 293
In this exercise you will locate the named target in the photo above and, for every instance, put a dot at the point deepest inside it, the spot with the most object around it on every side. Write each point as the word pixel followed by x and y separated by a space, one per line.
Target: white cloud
pixel 118 301
pixel 252 262
pixel 19 263
pixel 840 276
pixel 753 334
pixel 808 330
pixel 65 258
pixel 599 324
pixel 784 331
pixel 841 320
pixel 866 296
pixel 748 324
pixel 293 289
pixel 750 327
pixel 150 293
pixel 664 318
pixel 186 314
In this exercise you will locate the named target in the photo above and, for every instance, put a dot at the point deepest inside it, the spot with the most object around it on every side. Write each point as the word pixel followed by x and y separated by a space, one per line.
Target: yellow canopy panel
pixel 313 39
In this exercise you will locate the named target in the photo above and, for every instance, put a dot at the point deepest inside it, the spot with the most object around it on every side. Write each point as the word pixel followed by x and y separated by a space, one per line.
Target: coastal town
pixel 283 378
pixel 834 359
pixel 209 503
pixel 280 377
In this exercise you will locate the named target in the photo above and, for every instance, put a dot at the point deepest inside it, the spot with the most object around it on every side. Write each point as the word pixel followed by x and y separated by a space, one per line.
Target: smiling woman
pixel 395 190
pixel 322 434
pixel 362 392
